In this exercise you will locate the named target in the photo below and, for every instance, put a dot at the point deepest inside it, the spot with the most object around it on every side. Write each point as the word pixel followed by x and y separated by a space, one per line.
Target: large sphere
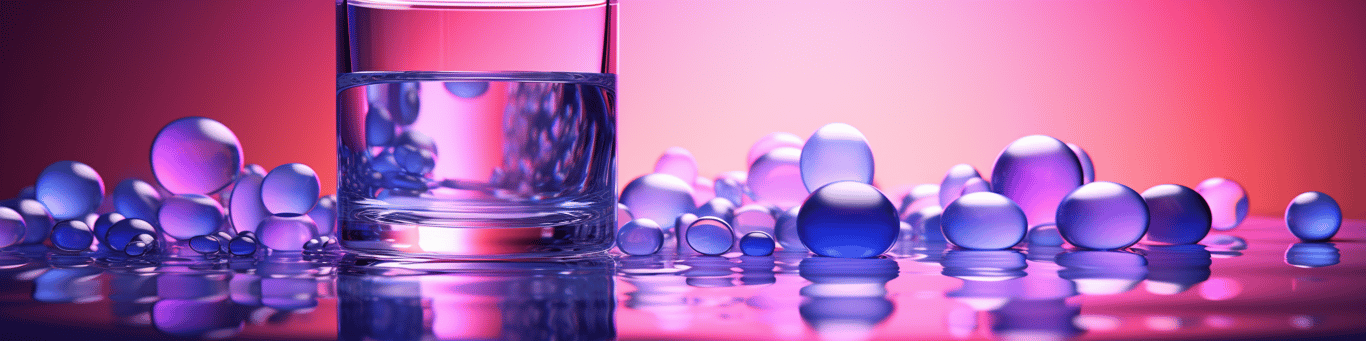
pixel 836 152
pixel 658 197
pixel 848 219
pixel 69 189
pixel 195 155
pixel 290 188
pixel 1103 215
pixel 1036 172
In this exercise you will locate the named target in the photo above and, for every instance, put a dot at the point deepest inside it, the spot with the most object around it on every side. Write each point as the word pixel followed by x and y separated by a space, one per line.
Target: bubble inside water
pixel 983 221
pixel 140 244
pixel 187 215
pixel 137 199
pixel 717 207
pixel 12 227
pixel 123 232
pixel 678 162
pixel 467 89
pixel 1103 215
pixel 72 235
pixel 406 99
pixel 1313 217
pixel 709 236
pixel 195 155
pixel 1088 170
pixel 785 230
pixel 731 186
pixel 836 152
pixel 952 186
pixel 770 142
pixel 206 244
pixel 245 209
pixel 640 237
pixel 776 178
pixel 1227 202
pixel 848 219
pixel 1045 235
pixel 1036 172
pixel 379 130
pixel 242 245
pixel 757 243
pixel 37 221
pixel 658 197
pixel 290 188
pixel 1176 214
pixel 69 189
pixel 286 232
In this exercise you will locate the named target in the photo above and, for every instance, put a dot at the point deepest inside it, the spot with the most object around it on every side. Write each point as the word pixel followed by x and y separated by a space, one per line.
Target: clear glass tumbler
pixel 476 129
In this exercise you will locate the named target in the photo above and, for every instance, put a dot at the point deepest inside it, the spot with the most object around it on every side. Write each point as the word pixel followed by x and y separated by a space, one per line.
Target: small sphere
pixel 952 186
pixel 1227 202
pixel 135 198
pixel 1045 235
pixel 242 245
pixel 679 235
pixel 1088 170
pixel 1176 214
pixel 37 221
pixel 836 152
pixel 983 221
pixel 848 219
pixel 640 237
pixel 123 232
pixel 187 215
pixel 69 189
pixel 776 178
pixel 710 236
pixel 678 162
pixel 245 208
pixel 467 89
pixel 379 130
pixel 1036 172
pixel 103 223
pixel 206 244
pixel 12 227
pixel 319 244
pixel 223 238
pixel 770 142
pixel 1103 215
pixel 658 197
pixel 140 244
pixel 195 155
pixel 72 235
pixel 290 188
pixel 785 230
pixel 286 232
pixel 756 243
pixel 324 214
pixel 1313 217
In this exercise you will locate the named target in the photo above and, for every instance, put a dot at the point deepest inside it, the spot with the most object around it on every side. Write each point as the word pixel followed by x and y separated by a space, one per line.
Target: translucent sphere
pixel 1088 171
pixel 757 243
pixel 37 221
pixel 290 188
pixel 709 236
pixel 406 100
pixel 1313 217
pixel 69 189
pixel 1045 235
pixel 1036 172
pixel 195 155
pixel 135 198
pixel 753 217
pixel 467 89
pixel 414 160
pixel 12 227
pixel 918 198
pixel 242 245
pixel 72 235
pixel 776 178
pixel 848 219
pixel 717 207
pixel 678 162
pixel 379 130
pixel 1103 215
pixel 658 197
pixel 640 237
pixel 206 244
pixel 623 215
pixel 324 214
pixel 770 142
pixel 245 208
pixel 836 152
pixel 1176 214
pixel 187 215
pixel 731 186
pixel 983 221
pixel 954 181
pixel 702 191
pixel 253 169
pixel 319 244
pixel 1312 255
pixel 785 230
pixel 1227 202
pixel 975 185
pixel 140 244
pixel 286 232
pixel 123 232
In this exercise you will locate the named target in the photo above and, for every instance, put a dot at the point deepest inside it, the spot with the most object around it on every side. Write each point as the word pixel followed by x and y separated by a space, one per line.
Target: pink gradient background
pixel 1269 93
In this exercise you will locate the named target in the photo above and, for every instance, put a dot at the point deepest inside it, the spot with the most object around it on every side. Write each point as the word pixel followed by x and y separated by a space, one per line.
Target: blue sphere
pixel 1045 235
pixel 245 209
pixel 404 101
pixel 125 230
pixel 785 230
pixel 242 245
pixel 952 186
pixel 206 244
pixel 135 198
pixel 195 155
pixel 848 219
pixel 187 215
pixel 290 188
pixel 140 244
pixel 286 232
pixel 983 221
pixel 836 152
pixel 379 130
pixel 37 221
pixel 414 160
pixel 1103 215
pixel 467 89
pixel 1312 255
pixel 640 237
pixel 1313 217
pixel 757 243
pixel 12 227
pixel 709 236
pixel 1036 172
pixel 69 189
pixel 1176 214
pixel 103 223
pixel 324 214
pixel 658 197
pixel 72 235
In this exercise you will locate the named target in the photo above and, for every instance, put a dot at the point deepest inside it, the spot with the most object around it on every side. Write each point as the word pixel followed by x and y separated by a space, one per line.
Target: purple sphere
pixel 1036 172
pixel 1103 215
pixel 195 155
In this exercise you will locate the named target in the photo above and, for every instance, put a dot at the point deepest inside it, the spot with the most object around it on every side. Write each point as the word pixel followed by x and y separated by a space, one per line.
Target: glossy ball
pixel 1313 217
pixel 414 160
pixel 1036 172
pixel 757 243
pixel 1176 214
pixel 405 101
pixel 242 245
pixel 37 221
pixel 135 198
pixel 12 227
pixel 103 223
pixel 140 244
pixel 1103 215
pixel 658 197
pixel 1227 202
pixel 72 235
pixel 836 152
pixel 245 208
pixel 206 244
pixel 785 230
pixel 290 188
pixel 1045 235
pixel 952 186
pixel 1088 170
pixel 69 189
pixel 125 230
pixel 770 142
pixel 848 219
pixel 776 178
pixel 709 236
pixel 467 89
pixel 918 198
pixel 195 155
pixel 286 232
pixel 324 214
pixel 678 162
pixel 187 215
pixel 983 221
pixel 640 237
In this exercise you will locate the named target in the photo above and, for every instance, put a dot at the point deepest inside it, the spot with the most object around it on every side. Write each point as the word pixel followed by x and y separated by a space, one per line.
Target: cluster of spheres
pixel 816 195
pixel 206 200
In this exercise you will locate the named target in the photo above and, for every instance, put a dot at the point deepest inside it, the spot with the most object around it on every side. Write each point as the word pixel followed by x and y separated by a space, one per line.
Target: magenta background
pixel 1269 93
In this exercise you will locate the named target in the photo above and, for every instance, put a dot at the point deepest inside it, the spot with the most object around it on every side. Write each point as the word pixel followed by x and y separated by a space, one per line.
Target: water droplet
pixel 195 155
pixel 717 207
pixel 848 219
pixel 1103 215
pixel 1313 217
pixel 242 245
pixel 1045 235
pixel 1227 202
pixel 69 189
pixel 785 230
pixel 640 237
pixel 709 236
pixel 245 209
pixel 776 178
pixel 123 232
pixel 286 232
pixel 952 186
pixel 658 197
pixel 12 227
pixel 37 221
pixel 206 244
pixel 137 199
pixel 290 188
pixel 678 162
pixel 379 130
pixel 756 243
pixel 140 244
pixel 1312 255
pixel 467 89
pixel 1036 172
pixel 836 152
pixel 187 215
pixel 731 186
pixel 324 214
pixel 983 221
pixel 770 142
pixel 1176 214
pixel 72 235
